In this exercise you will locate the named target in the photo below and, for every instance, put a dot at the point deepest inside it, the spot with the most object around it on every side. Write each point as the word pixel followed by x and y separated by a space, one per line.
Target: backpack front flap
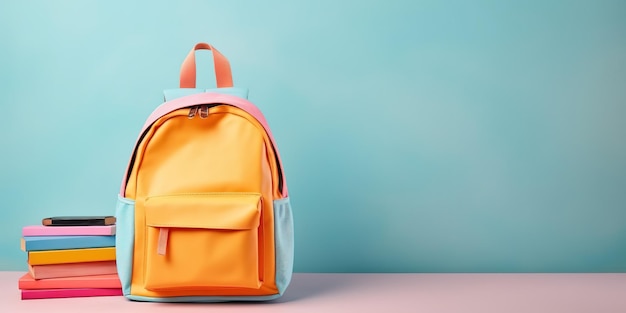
pixel 211 215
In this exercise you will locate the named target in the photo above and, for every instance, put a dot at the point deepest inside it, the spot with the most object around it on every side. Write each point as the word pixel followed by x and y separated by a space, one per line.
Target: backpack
pixel 203 213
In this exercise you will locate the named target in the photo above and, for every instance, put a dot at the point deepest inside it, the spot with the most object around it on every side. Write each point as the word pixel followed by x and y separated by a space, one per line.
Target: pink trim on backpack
pixel 208 98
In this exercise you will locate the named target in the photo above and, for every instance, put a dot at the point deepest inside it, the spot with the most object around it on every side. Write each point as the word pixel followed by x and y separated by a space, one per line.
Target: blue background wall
pixel 426 136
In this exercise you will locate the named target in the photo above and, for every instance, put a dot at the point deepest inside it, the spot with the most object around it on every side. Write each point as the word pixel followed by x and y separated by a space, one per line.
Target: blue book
pixel 39 243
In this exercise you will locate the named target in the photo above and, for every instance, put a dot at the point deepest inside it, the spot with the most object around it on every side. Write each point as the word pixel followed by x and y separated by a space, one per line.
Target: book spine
pixel 69 293
pixel 39 230
pixel 96 281
pixel 66 242
pixel 71 256
pixel 72 269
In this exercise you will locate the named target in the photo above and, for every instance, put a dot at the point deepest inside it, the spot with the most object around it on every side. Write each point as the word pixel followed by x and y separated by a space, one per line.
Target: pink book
pixel 69 293
pixel 40 230
pixel 72 269
pixel 96 281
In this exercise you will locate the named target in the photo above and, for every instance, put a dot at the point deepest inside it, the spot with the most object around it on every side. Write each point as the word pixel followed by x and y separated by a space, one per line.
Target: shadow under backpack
pixel 203 213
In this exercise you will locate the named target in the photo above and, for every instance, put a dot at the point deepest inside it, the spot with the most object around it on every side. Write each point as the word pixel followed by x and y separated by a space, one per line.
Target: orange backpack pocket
pixel 200 241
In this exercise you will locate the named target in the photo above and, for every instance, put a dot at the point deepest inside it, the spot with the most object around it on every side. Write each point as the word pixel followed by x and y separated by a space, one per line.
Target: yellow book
pixel 71 256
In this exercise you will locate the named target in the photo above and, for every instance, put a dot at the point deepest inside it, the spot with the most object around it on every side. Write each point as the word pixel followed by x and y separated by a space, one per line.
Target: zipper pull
pixel 162 243
pixel 192 112
pixel 204 111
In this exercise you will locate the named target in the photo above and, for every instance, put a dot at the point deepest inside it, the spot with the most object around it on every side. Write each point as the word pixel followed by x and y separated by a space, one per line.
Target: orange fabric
pixel 223 75
pixel 213 240
pixel 228 250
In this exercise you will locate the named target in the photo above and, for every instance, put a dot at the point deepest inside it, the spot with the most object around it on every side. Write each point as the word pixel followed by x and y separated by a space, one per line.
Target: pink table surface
pixel 323 293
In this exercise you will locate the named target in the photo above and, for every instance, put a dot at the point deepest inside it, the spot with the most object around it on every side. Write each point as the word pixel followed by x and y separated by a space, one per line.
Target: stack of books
pixel 69 261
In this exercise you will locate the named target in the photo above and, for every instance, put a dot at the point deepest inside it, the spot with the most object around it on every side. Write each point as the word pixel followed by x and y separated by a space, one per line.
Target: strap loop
pixel 223 75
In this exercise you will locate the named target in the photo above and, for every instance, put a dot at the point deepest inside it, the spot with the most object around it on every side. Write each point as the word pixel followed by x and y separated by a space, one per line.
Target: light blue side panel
pixel 124 240
pixel 284 242
pixel 171 94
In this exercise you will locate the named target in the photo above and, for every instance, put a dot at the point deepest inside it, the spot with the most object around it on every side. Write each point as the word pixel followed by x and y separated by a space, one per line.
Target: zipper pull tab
pixel 204 111
pixel 162 243
pixel 192 112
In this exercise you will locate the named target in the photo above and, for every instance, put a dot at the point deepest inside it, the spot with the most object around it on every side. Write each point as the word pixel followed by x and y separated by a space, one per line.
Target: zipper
pixel 192 111
pixel 202 110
